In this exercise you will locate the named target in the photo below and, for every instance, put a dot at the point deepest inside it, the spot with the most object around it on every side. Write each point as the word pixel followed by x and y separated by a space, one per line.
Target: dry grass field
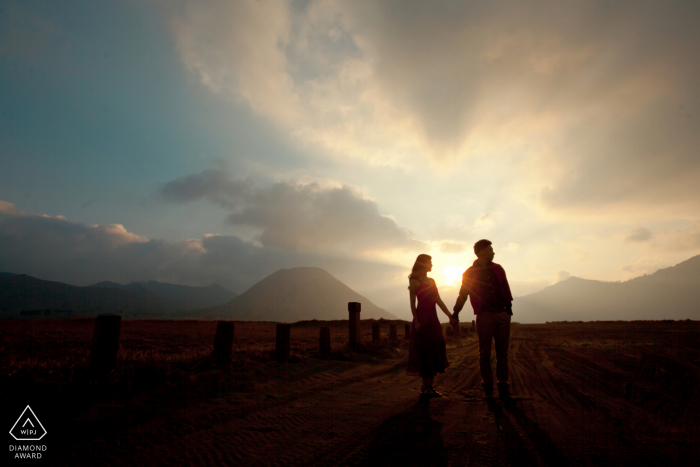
pixel 602 393
pixel 44 347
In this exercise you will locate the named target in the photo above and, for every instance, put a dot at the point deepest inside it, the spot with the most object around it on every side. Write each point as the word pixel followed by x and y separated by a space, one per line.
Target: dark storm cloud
pixel 297 217
pixel 53 248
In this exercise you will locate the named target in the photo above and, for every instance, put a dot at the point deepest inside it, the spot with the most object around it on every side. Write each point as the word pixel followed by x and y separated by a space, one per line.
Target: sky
pixel 218 141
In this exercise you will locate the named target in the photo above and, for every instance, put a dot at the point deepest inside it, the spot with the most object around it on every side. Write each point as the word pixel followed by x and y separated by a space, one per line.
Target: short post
pixel 407 331
pixel 282 342
pixel 325 342
pixel 223 342
pixel 105 343
pixel 473 326
pixel 375 332
pixel 392 332
pixel 354 322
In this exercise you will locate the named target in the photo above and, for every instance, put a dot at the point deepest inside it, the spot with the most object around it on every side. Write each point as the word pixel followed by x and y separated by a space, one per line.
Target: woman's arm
pixel 412 294
pixel 442 306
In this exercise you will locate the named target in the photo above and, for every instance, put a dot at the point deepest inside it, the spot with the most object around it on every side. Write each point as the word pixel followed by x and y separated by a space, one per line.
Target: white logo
pixel 27 427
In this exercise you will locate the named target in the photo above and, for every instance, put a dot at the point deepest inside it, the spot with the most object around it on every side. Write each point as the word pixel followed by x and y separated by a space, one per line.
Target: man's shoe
pixel 503 391
pixel 488 389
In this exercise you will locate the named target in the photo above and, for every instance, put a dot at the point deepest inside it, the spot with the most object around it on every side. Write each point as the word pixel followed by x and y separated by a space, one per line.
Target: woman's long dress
pixel 427 353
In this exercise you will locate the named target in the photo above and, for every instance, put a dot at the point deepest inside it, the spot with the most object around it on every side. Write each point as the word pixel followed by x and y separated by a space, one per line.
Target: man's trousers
pixel 493 326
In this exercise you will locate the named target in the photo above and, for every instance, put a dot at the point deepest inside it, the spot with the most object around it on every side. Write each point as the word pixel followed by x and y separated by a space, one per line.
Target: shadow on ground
pixel 408 438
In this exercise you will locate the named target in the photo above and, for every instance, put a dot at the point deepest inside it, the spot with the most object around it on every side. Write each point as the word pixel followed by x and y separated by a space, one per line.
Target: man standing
pixel 491 299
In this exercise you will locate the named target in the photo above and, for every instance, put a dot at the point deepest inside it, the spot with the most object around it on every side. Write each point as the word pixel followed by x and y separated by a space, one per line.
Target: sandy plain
pixel 603 393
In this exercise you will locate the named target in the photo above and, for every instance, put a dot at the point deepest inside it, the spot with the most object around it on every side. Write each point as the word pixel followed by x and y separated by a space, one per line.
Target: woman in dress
pixel 427 354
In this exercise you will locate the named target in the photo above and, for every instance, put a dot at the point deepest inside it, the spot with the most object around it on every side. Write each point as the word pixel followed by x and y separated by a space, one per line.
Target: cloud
pixel 512 246
pixel 639 234
pixel 453 248
pixel 214 185
pixel 9 209
pixel 598 99
pixel 53 248
pixel 561 276
pixel 679 240
pixel 484 221
pixel 639 268
pixel 304 217
pixel 87 203
pixel 666 240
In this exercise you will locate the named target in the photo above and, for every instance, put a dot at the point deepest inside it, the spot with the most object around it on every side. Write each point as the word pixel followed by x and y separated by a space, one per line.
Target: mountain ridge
pixel 191 297
pixel 21 292
pixel 669 293
pixel 295 294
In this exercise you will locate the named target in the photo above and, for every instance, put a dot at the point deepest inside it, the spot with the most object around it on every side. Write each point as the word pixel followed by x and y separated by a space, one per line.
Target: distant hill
pixel 296 294
pixel 670 293
pixel 186 296
pixel 19 292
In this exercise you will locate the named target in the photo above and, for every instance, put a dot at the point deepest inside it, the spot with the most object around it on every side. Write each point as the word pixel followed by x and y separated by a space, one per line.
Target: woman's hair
pixel 420 266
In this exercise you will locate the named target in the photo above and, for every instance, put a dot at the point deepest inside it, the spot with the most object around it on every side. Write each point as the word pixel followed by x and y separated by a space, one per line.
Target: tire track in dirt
pixel 564 402
pixel 338 415
pixel 291 408
pixel 495 435
pixel 461 429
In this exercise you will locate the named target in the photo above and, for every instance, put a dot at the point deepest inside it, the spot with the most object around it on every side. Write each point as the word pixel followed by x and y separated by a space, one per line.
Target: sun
pixel 453 274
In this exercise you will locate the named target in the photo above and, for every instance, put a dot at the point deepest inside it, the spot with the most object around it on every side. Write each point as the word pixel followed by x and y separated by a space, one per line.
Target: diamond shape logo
pixel 28 427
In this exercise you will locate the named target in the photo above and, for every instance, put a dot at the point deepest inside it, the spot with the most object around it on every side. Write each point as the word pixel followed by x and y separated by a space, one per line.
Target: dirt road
pixel 580 398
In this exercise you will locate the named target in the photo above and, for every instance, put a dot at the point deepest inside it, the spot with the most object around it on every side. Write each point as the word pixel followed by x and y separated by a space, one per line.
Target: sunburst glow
pixel 453 274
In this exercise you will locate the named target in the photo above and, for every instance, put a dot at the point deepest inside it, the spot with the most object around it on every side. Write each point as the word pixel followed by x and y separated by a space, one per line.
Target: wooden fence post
pixel 354 322
pixel 392 332
pixel 473 326
pixel 282 343
pixel 375 332
pixel 407 331
pixel 325 342
pixel 105 343
pixel 223 342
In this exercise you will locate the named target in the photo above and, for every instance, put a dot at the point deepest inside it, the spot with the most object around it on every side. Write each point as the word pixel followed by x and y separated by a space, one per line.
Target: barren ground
pixel 584 394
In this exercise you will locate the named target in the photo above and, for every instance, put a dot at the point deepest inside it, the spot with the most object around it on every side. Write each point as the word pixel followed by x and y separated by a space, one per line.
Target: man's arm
pixel 461 300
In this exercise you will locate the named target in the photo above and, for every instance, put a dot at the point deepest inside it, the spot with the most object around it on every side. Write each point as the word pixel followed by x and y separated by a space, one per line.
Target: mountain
pixel 296 294
pixel 21 292
pixel 150 299
pixel 187 297
pixel 670 293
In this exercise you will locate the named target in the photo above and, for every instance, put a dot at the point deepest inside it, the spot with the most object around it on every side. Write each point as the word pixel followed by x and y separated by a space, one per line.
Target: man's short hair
pixel 480 245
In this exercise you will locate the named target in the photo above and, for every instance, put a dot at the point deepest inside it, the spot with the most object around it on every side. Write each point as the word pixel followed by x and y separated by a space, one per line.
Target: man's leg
pixel 502 338
pixel 484 328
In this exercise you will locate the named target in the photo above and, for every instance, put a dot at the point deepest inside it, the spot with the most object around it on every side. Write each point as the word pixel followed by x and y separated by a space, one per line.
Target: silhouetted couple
pixel 485 282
